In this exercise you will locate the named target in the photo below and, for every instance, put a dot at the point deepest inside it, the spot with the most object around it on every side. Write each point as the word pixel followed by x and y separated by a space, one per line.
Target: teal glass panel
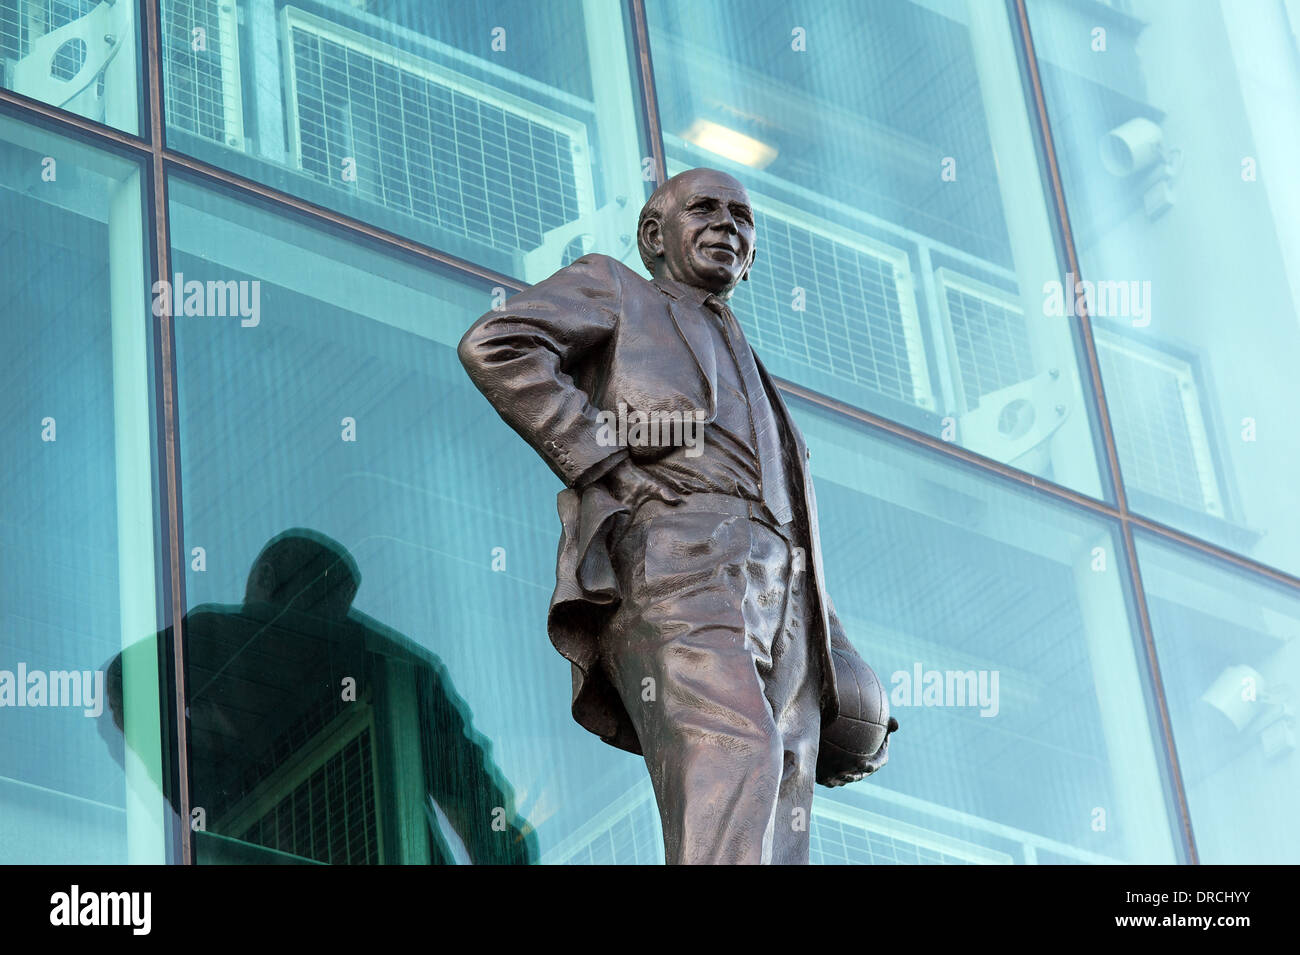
pixel 903 233
pixel 1228 643
pixel 1001 623
pixel 79 55
pixel 1176 123
pixel 82 729
pixel 504 133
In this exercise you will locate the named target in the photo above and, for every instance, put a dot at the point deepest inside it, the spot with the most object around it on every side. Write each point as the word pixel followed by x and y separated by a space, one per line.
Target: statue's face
pixel 707 233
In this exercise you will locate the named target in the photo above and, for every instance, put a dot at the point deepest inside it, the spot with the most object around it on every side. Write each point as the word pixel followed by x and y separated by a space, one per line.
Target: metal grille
pixel 201 71
pixel 626 833
pixel 329 816
pixel 426 147
pixel 991 344
pixel 629 840
pixel 835 842
pixel 1160 438
pixel 22 21
pixel 855 324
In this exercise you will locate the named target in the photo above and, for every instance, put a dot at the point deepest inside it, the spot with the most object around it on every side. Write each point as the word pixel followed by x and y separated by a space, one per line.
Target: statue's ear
pixel 650 236
pixel 753 253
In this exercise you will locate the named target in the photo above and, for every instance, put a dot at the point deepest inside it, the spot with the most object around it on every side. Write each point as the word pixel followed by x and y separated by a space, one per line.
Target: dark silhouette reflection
pixel 319 734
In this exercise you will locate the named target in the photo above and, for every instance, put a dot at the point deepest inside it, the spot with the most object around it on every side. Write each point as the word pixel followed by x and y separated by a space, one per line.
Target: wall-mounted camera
pixel 1137 147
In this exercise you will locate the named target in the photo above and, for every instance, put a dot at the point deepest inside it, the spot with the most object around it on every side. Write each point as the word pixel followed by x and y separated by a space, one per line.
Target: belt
pixel 713 503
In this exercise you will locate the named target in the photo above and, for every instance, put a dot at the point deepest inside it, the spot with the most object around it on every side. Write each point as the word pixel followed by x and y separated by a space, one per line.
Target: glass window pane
pixel 903 235
pixel 1177 127
pixel 81 731
pixel 1229 649
pixel 507 133
pixel 78 55
pixel 1001 622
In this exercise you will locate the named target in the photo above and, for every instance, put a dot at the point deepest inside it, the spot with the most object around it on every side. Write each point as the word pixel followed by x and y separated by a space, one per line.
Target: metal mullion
pixel 921 439
pixel 1172 763
pixel 169 459
pixel 1058 491
pixel 1212 550
pixel 322 214
pixel 649 97
pixel 72 124
pixel 1065 236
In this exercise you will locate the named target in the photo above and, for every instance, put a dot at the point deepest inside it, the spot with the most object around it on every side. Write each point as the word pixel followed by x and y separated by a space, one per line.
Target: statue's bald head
pixel 698 228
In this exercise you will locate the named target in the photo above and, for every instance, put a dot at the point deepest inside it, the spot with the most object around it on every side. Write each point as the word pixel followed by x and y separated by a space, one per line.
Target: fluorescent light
pixel 729 144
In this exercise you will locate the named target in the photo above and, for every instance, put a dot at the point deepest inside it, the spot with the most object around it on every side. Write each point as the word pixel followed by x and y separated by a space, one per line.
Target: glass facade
pixel 1027 273
pixel 1175 136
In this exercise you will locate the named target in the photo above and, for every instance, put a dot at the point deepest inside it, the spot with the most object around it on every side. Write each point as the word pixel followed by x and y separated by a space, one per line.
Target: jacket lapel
pixel 782 412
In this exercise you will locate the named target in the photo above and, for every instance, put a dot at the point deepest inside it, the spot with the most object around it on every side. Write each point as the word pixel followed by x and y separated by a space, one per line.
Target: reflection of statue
pixel 318 733
pixel 680 595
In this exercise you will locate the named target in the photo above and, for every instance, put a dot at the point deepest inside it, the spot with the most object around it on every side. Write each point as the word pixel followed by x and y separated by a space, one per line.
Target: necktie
pixel 762 417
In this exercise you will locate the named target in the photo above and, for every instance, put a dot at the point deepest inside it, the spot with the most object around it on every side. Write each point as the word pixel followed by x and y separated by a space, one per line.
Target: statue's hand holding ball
pixel 856 743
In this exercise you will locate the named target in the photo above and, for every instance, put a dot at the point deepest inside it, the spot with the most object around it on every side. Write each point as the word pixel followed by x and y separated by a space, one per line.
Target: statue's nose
pixel 726 222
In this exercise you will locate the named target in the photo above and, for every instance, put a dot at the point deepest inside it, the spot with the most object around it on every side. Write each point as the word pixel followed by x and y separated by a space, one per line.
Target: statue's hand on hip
pixel 633 486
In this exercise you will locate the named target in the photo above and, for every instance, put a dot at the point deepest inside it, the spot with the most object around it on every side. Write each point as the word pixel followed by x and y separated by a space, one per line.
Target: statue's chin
pixel 713 274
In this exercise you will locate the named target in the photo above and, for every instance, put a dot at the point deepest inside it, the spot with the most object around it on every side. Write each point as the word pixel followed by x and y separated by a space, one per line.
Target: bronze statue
pixel 689 590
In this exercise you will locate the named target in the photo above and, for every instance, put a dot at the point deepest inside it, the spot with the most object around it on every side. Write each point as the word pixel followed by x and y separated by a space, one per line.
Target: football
pixel 860 728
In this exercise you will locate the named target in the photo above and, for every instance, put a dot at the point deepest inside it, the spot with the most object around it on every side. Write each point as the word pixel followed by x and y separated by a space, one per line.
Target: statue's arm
pixel 519 356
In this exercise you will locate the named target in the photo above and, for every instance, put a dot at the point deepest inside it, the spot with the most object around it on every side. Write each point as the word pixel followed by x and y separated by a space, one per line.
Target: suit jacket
pixel 549 360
